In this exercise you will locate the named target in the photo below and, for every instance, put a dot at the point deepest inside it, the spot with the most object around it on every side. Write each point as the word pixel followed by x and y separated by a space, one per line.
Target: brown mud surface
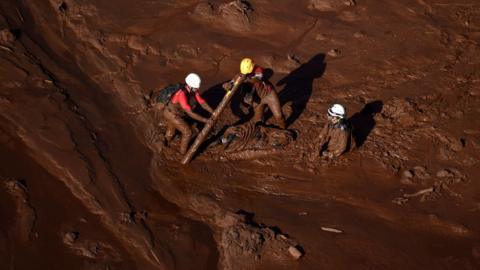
pixel 86 182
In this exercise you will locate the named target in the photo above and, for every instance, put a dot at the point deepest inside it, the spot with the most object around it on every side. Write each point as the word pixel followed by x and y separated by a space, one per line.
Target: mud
pixel 87 183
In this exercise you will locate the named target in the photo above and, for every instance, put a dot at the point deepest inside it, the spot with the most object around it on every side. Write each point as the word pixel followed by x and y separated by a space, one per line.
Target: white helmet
pixel 337 110
pixel 193 80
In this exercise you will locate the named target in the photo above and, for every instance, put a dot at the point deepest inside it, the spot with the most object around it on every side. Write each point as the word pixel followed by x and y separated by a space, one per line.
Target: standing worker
pixel 264 89
pixel 179 106
pixel 335 137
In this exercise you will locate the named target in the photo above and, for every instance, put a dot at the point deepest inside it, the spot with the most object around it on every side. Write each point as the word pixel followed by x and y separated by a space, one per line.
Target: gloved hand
pixel 210 122
pixel 248 99
pixel 227 86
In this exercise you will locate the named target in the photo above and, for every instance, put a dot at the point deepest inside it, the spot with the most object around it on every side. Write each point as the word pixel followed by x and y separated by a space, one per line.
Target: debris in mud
pixel 407 174
pixel 444 173
pixel 447 178
pixel 332 230
pixel 237 14
pixel 6 37
pixel 70 237
pixel 295 252
pixel 334 53
pixel 250 140
pixel 89 249
pixel 421 172
pixel 330 5
pixel 243 242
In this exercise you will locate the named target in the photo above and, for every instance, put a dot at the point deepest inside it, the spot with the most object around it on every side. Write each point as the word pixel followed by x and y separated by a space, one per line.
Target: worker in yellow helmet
pixel 268 97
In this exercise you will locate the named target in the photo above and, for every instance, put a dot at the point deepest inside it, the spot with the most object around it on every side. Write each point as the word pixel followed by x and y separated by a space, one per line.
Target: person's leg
pixel 273 103
pixel 258 112
pixel 169 118
pixel 186 135
pixel 178 123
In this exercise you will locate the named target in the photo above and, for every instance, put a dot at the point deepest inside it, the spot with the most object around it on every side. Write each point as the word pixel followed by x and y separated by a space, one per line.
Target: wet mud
pixel 88 183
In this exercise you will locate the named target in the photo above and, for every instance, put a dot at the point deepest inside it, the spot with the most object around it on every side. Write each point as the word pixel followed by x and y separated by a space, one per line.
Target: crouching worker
pixel 264 89
pixel 178 107
pixel 335 137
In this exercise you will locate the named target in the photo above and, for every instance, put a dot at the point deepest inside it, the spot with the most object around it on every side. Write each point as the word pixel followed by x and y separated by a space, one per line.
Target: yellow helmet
pixel 246 66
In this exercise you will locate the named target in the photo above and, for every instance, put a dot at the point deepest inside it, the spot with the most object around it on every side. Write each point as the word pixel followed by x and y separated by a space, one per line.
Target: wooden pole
pixel 215 115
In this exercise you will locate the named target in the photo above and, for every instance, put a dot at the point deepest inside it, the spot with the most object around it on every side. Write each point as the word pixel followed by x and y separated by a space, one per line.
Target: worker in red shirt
pixel 178 107
pixel 264 89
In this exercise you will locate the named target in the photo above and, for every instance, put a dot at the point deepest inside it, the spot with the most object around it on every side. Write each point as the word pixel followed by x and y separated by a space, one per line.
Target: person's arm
pixel 203 103
pixel 197 117
pixel 229 85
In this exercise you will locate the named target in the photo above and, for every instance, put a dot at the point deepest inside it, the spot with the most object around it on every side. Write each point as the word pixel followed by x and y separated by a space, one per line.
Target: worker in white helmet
pixel 178 107
pixel 334 139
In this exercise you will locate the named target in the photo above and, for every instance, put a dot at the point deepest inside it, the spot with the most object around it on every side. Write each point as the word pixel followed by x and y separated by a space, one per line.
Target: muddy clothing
pixel 334 139
pixel 268 98
pixel 253 140
pixel 176 122
pixel 174 114
pixel 182 97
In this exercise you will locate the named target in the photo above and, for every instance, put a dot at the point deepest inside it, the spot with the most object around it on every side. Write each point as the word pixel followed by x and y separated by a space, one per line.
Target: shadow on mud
pixel 298 85
pixel 363 122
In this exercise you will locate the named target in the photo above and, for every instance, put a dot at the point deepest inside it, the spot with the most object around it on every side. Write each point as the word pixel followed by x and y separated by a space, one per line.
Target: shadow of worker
pixel 298 85
pixel 363 122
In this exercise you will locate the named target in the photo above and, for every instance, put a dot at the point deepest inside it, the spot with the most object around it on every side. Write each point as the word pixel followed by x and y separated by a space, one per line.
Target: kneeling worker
pixel 179 106
pixel 264 89
pixel 334 139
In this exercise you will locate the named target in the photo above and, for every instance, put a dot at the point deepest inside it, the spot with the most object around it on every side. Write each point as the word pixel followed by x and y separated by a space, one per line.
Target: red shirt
pixel 181 97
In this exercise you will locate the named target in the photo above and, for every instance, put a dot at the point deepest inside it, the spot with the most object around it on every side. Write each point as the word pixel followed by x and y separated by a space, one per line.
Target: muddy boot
pixel 280 122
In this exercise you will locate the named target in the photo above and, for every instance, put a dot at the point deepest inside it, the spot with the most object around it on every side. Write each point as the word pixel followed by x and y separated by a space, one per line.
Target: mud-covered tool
pixel 214 117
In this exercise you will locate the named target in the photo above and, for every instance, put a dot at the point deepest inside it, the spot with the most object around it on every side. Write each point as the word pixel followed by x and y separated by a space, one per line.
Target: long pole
pixel 206 129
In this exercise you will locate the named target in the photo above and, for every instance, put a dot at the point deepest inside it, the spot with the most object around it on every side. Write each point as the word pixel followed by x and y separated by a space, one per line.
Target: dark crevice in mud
pixel 96 141
pixel 88 163
pixel 16 65
pixel 76 110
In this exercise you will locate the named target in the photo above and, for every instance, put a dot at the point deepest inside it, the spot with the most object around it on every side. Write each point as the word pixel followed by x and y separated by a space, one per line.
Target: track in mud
pixel 85 176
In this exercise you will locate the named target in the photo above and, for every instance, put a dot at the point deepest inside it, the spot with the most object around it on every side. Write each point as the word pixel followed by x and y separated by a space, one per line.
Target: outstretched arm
pixel 183 101
pixel 197 117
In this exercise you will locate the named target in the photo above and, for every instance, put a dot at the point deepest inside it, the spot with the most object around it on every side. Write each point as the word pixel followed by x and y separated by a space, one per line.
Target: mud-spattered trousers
pixel 271 101
pixel 176 122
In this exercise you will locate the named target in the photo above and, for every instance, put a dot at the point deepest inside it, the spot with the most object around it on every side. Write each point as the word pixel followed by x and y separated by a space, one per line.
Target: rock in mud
pixel 407 174
pixel 421 172
pixel 6 37
pixel 334 53
pixel 236 15
pixel 444 173
pixel 295 252
pixel 70 237
pixel 329 5
pixel 244 243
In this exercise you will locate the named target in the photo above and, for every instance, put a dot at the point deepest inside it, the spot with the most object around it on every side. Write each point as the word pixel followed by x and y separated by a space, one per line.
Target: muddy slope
pixel 85 176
